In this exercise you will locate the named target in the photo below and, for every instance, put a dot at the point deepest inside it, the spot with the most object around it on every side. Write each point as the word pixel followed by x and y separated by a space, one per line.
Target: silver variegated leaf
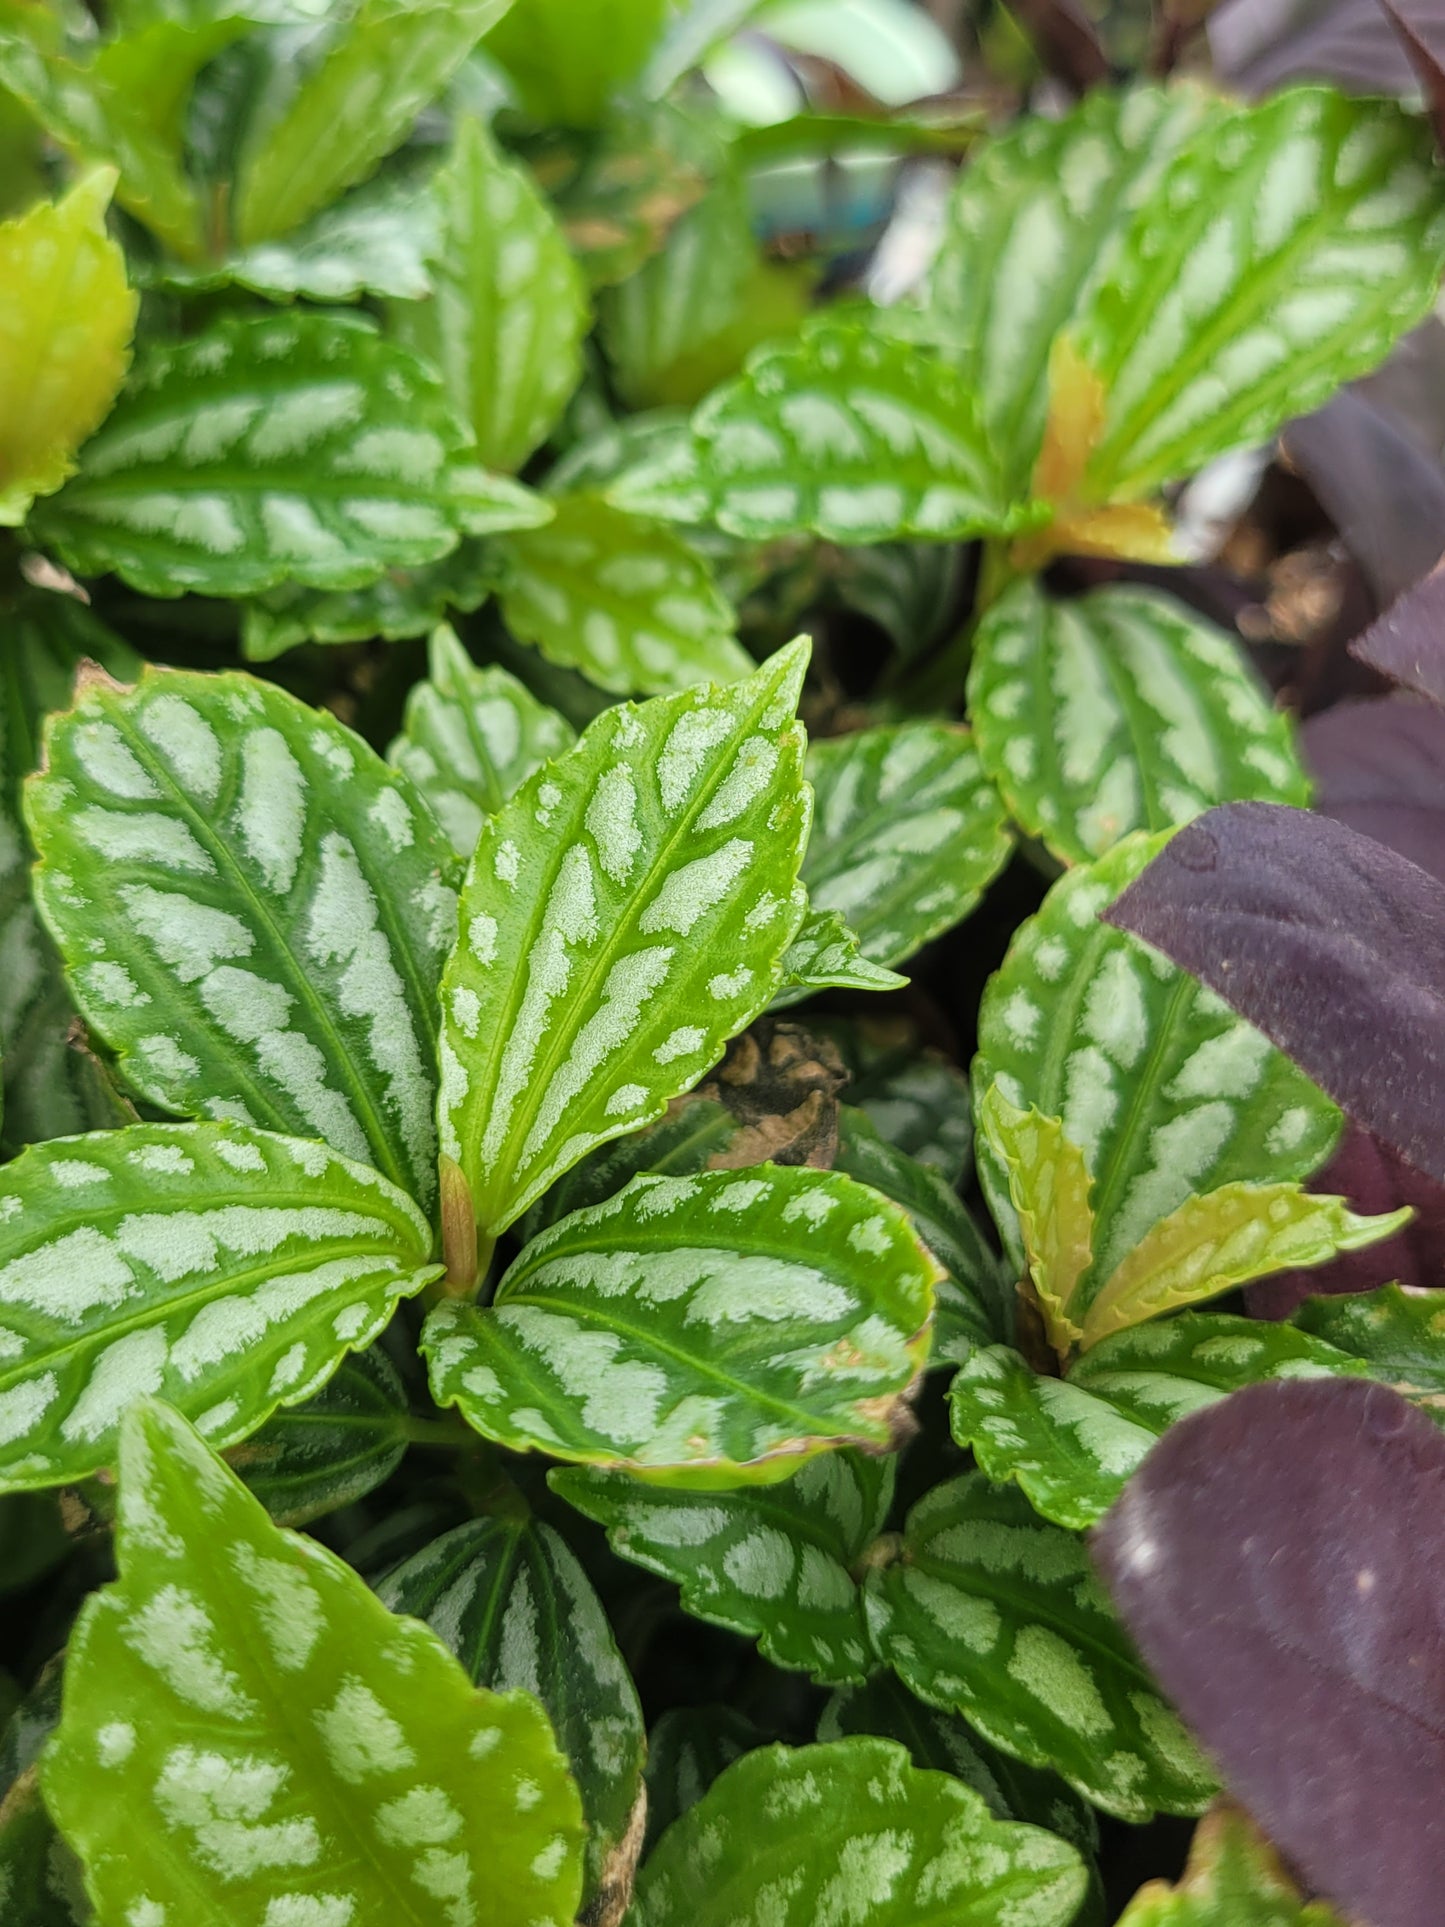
pixel 509 1598
pixel 253 911
pixel 400 604
pixel 229 1269
pixel 996 1614
pixel 907 833
pixel 773 1562
pixel 1395 1335
pixel 1162 1088
pixel 624 600
pixel 1120 711
pixel 705 1332
pixel 1072 1443
pixel 508 307
pixel 470 737
pixel 846 434
pixel 331 1449
pixel 296 447
pixel 827 955
pixel 687 1748
pixel 913 1096
pixel 625 913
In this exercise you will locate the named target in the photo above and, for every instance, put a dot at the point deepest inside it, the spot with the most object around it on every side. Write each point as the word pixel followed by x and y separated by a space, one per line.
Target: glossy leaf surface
pixel 1120 711
pixel 397 605
pixel 773 1562
pixel 253 911
pixel 331 1449
pixel 248 1732
pixel 705 1331
pixel 1048 1187
pixel 1393 1334
pixel 588 986
pixel 826 954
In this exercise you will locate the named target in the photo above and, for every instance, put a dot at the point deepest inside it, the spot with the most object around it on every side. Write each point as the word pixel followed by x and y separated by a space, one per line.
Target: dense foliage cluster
pixel 497 1082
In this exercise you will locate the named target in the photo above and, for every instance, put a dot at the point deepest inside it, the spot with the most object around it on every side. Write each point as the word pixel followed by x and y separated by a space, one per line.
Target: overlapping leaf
pixel 807 1833
pixel 1048 1188
pixel 996 1614
pixel 913 1097
pixel 566 65
pixel 907 834
pixel 1161 1087
pixel 848 434
pixel 825 955
pixel 401 603
pixel 276 448
pixel 687 1748
pixel 248 1733
pixel 508 305
pixel 64 338
pixel 625 913
pixel 40 1880
pixel 509 1598
pixel 707 1332
pixel 333 1448
pixel 775 1562
pixel 624 600
pixel 253 911
pixel 1234 1879
pixel 1394 1334
pixel 1120 711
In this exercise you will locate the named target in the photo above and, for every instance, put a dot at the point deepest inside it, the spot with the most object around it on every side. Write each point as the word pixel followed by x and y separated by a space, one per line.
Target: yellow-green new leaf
pixel 625 913
pixel 567 61
pixel 65 328
pixel 1225 1238
pixel 229 1269
pixel 706 1331
pixel 1234 1878
pixel 250 1739
pixel 1049 1187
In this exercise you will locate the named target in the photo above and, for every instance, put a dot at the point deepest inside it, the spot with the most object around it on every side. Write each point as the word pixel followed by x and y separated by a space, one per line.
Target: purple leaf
pixel 1379 767
pixel 1421 27
pixel 1331 944
pixel 1065 40
pixel 1261 44
pixel 1407 644
pixel 1278 1560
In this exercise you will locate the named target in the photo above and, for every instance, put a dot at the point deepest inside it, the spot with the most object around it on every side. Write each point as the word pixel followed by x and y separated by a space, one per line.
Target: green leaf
pixel 774 1563
pixel 845 434
pixel 1393 1333
pixel 686 1750
pixel 620 188
pixel 252 908
pixel 566 64
pixel 294 447
pixel 1283 251
pixel 907 834
pixel 974 1300
pixel 1164 1090
pixel 852 1831
pixel 913 1097
pixel 345 102
pixel 228 1268
pixel 625 913
pixel 470 737
pixel 1034 223
pixel 621 599
pixel 1120 711
pixel 693 1134
pixel 994 1614
pixel 249 1732
pixel 330 1450
pixel 1073 1443
pixel 1213 1243
pixel 941 1741
pixel 1234 1879
pixel 1048 1187
pixel 509 1598
pixel 683 1332
pixel 40 1881
pixel 825 955
pixel 65 337
pixel 400 604
pixel 508 308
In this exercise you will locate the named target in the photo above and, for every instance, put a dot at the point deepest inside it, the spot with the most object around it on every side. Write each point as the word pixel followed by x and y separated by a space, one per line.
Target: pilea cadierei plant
pixel 461 1092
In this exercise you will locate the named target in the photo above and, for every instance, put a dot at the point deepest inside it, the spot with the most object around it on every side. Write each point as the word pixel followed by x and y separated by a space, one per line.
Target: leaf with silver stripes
pixel 509 1598
pixel 1120 711
pixel 249 1735
pixel 774 1563
pixel 826 955
pixel 253 911
pixel 705 1332
pixel 297 447
pixel 908 832
pixel 625 913
pixel 993 1613
pixel 229 1269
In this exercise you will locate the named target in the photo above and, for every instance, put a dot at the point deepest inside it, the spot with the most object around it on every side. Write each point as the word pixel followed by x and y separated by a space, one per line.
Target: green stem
pixel 448 1432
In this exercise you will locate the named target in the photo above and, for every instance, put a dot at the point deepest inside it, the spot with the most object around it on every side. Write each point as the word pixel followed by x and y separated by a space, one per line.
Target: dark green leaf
pixel 332 1449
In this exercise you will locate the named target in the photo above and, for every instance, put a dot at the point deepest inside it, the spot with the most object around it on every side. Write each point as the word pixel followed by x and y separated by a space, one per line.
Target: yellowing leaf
pixel 1049 1184
pixel 1223 1239
pixel 65 328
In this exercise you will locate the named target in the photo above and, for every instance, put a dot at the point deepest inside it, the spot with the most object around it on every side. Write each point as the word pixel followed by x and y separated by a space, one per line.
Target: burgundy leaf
pixel 1333 945
pixel 1279 1561
pixel 1375 1180
pixel 1065 40
pixel 1259 45
pixel 1379 766
pixel 1407 644
pixel 1421 27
